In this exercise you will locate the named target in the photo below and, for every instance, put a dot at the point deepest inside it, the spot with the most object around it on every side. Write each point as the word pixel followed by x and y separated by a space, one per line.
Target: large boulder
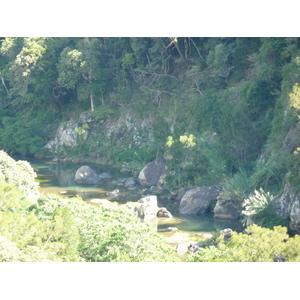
pixel 152 172
pixel 163 213
pixel 146 208
pixel 287 205
pixel 86 175
pixel 198 200
pixel 227 209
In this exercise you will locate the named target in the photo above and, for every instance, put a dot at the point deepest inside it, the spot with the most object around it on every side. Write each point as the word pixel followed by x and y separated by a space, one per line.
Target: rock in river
pixel 197 201
pixel 86 175
pixel 152 172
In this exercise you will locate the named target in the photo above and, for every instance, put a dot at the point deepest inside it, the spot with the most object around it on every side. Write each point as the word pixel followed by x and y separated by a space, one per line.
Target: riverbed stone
pixel 104 202
pixel 163 213
pixel 227 209
pixel 86 175
pixel 152 172
pixel 130 182
pixel 197 201
pixel 171 229
pixel 105 175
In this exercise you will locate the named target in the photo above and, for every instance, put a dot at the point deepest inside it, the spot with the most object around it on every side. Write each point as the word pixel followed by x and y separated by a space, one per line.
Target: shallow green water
pixel 59 178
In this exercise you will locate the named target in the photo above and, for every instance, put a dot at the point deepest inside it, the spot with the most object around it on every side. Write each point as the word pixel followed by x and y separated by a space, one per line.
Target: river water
pixel 59 178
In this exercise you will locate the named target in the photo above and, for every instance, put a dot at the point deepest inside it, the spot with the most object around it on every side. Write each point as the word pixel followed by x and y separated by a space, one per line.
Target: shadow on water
pixel 59 178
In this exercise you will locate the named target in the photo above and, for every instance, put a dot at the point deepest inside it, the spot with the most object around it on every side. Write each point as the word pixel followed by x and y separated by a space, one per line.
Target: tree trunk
pixel 92 102
pixel 3 82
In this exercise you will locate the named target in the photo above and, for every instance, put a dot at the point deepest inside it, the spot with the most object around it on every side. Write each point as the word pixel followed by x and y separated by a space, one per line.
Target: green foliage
pixel 258 96
pixel 258 244
pixel 101 113
pixel 26 134
pixel 109 233
pixel 236 187
pixel 19 174
pixel 294 102
pixel 9 196
pixel 269 176
pixel 192 162
pixel 293 176
pixel 240 90
pixel 258 209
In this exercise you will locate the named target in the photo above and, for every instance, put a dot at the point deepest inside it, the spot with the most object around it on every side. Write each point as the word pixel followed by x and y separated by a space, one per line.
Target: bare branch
pixel 197 49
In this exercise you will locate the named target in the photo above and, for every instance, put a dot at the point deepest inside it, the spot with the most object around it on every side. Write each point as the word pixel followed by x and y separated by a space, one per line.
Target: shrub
pixel 108 233
pixel 20 174
pixel 259 210
pixel 258 244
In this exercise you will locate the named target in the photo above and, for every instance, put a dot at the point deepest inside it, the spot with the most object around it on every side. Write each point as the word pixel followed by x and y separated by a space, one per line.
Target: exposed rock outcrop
pixel 66 135
pixel 86 175
pixel 197 201
pixel 287 205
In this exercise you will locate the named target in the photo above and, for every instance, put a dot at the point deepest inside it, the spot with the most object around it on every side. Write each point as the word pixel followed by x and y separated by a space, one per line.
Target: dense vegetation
pixel 232 94
pixel 221 110
pixel 35 227
pixel 43 228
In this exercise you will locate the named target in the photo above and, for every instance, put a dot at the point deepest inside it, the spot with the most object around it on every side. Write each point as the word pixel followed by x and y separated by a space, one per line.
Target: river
pixel 59 178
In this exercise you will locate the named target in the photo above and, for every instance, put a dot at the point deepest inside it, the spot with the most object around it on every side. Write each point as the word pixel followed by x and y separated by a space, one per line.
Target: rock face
pixel 152 172
pixel 65 136
pixel 227 209
pixel 86 175
pixel 288 206
pixel 197 201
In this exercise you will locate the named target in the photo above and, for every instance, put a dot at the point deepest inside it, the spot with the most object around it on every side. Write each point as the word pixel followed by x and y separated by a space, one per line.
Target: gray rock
pixel 66 135
pixel 205 235
pixel 197 201
pixel 104 202
pixel 287 205
pixel 105 176
pixel 86 117
pixel 152 172
pixel 86 175
pixel 227 209
pixel 193 247
pixel 119 181
pixel 130 182
pixel 113 193
pixel 227 232
pixel 148 208
pixel 182 248
pixel 163 213
pixel 125 170
pixel 171 229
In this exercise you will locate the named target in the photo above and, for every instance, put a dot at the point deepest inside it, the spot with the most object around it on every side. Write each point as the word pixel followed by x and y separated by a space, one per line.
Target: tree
pixel 26 61
pixel 80 69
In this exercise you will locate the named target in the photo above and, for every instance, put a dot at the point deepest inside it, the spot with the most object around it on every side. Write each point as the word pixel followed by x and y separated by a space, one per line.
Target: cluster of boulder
pixel 197 200
pixel 192 201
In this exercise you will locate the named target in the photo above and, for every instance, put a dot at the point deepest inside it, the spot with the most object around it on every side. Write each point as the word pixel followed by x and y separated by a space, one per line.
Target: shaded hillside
pixel 230 94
